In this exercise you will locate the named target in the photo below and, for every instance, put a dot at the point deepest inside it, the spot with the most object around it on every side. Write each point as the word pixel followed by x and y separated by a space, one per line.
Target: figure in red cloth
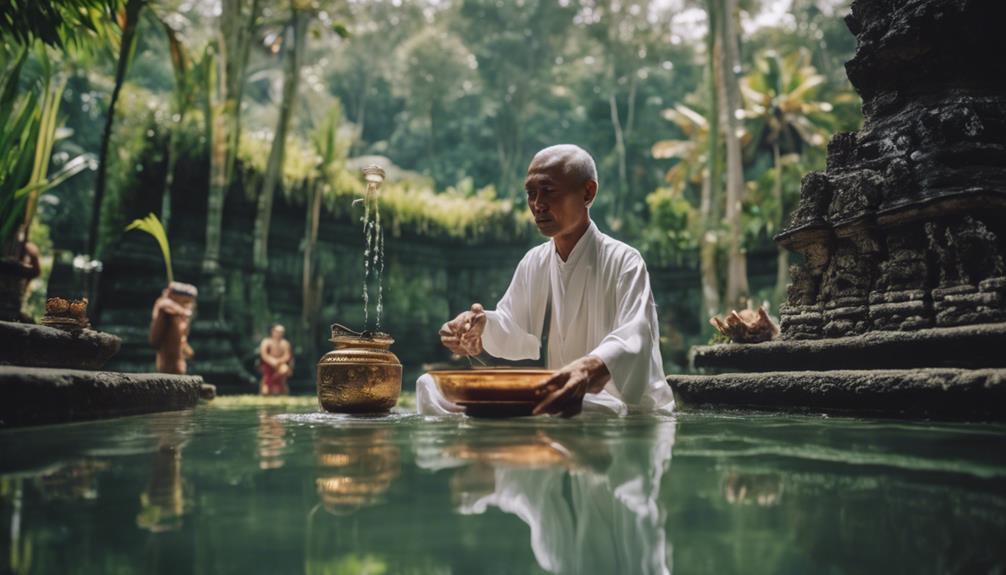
pixel 276 360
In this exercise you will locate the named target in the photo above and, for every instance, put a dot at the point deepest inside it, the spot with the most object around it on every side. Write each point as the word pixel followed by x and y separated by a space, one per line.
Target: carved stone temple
pixel 902 237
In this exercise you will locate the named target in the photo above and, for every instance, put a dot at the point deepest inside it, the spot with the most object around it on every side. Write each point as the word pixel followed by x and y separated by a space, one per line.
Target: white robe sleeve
pixel 631 351
pixel 509 331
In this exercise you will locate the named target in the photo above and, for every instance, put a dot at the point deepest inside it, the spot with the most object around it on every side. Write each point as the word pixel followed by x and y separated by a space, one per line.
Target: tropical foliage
pixel 28 131
pixel 152 226
pixel 702 117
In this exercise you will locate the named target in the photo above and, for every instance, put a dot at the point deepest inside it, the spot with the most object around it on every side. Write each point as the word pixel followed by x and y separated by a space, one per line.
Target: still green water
pixel 231 488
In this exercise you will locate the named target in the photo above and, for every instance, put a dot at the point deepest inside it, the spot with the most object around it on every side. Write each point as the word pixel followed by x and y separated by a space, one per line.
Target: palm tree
pixel 299 19
pixel 730 104
pixel 190 76
pixel 129 19
pixel 785 117
pixel 331 151
pixel 695 168
pixel 225 85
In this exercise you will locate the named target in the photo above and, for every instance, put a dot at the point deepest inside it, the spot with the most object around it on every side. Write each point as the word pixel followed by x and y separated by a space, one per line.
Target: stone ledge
pixel 972 346
pixel 36 396
pixel 978 394
pixel 41 346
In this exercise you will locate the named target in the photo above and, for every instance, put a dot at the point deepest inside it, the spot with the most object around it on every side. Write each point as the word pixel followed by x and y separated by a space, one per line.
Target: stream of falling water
pixel 379 261
pixel 373 253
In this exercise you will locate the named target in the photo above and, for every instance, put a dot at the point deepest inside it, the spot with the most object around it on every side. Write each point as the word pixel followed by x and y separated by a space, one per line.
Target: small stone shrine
pixel 902 237
pixel 52 373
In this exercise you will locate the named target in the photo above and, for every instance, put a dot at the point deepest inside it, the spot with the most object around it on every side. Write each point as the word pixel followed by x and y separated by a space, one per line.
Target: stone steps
pixel 940 393
pixel 37 396
pixel 972 346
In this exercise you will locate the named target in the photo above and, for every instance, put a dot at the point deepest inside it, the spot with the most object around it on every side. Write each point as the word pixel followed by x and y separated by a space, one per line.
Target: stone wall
pixel 906 228
pixel 424 282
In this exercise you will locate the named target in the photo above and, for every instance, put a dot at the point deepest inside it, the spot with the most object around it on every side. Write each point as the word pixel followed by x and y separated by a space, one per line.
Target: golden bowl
pixel 492 391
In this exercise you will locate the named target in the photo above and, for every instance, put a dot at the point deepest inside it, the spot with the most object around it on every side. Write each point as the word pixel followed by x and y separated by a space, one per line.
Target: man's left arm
pixel 624 354
pixel 287 352
pixel 628 350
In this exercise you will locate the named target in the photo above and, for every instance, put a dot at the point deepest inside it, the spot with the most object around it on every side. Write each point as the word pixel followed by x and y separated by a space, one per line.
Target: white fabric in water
pixel 608 523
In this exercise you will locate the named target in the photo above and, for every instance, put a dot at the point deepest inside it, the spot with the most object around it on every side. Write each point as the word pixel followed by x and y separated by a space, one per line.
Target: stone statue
pixel 169 327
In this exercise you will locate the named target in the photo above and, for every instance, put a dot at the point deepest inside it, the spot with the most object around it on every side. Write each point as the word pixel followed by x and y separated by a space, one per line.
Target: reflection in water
pixel 355 468
pixel 270 441
pixel 76 481
pixel 20 551
pixel 162 503
pixel 762 489
pixel 592 506
pixel 748 494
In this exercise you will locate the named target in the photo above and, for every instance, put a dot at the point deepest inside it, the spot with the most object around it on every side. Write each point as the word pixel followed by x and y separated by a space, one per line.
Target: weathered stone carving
pixel 906 227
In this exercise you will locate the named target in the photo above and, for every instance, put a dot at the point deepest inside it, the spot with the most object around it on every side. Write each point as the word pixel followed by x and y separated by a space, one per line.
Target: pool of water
pixel 230 488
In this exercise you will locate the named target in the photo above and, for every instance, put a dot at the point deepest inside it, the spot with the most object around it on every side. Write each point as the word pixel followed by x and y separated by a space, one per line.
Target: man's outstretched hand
pixel 463 334
pixel 563 392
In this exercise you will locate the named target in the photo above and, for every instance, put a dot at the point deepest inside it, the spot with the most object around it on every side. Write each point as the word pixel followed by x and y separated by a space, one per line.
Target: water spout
pixel 373 253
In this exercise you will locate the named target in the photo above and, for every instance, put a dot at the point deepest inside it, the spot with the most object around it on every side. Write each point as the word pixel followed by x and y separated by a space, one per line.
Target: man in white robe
pixel 603 336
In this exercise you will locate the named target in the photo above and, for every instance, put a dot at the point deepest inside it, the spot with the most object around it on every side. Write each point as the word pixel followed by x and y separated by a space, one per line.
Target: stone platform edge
pixel 971 346
pixel 28 344
pixel 39 396
pixel 941 393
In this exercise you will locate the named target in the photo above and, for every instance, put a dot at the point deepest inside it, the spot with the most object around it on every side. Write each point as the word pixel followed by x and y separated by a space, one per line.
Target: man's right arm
pixel 158 325
pixel 509 333
pixel 264 353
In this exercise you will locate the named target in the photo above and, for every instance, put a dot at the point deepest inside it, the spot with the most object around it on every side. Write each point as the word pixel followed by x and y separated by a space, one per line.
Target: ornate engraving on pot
pixel 360 375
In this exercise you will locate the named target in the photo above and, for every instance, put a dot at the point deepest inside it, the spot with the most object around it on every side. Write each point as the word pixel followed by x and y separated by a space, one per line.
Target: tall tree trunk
pixel 361 114
pixel 274 167
pixel 238 20
pixel 782 259
pixel 505 153
pixel 169 176
pixel 181 100
pixel 709 204
pixel 504 163
pixel 311 285
pixel 431 149
pixel 623 177
pixel 131 19
pixel 737 282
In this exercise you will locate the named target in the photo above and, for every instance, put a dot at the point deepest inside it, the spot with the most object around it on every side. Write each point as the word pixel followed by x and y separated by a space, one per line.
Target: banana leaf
pixel 152 226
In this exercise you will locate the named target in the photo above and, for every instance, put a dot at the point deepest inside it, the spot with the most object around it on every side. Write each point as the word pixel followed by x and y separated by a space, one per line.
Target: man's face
pixel 278 332
pixel 557 203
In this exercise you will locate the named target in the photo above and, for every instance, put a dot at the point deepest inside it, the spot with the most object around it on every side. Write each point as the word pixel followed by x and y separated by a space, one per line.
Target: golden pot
pixel 360 375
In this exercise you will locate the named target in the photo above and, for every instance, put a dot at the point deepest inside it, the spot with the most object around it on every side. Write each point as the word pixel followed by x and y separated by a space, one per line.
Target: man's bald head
pixel 561 185
pixel 573 160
